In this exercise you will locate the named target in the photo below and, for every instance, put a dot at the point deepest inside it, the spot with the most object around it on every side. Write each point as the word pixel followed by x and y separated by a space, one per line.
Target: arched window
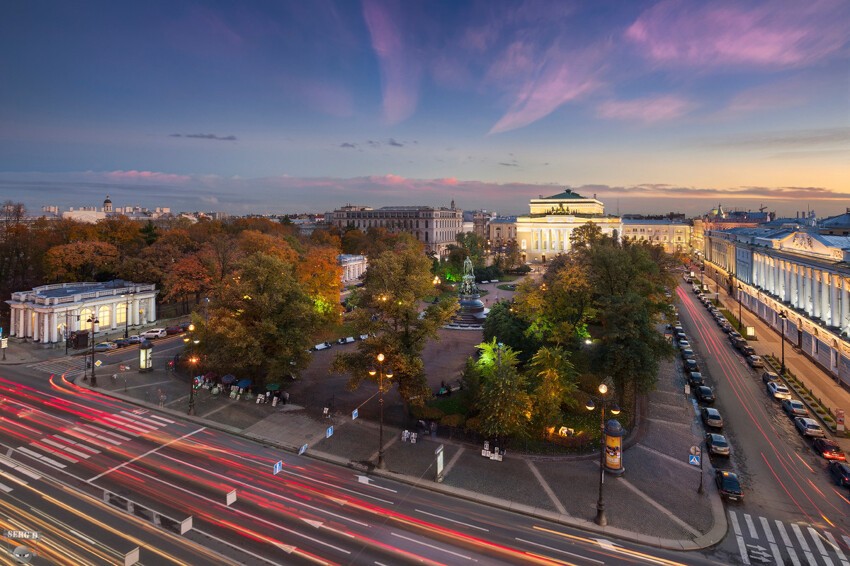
pixel 85 315
pixel 104 316
pixel 121 314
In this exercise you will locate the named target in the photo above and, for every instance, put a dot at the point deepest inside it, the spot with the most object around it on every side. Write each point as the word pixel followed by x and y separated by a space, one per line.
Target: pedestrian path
pixel 84 440
pixel 768 541
pixel 13 474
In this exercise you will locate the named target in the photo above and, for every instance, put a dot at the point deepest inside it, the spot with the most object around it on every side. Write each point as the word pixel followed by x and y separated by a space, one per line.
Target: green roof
pixel 568 194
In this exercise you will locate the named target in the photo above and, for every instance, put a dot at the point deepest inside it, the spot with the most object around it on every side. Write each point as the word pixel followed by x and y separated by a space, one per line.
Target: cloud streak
pixel 204 137
pixel 646 110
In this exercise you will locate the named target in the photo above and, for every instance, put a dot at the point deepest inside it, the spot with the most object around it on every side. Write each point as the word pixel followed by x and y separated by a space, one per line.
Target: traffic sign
pixel 278 466
pixel 330 432
pixel 302 449
pixel 695 451
pixel 693 459
pixel 98 363
pixel 354 414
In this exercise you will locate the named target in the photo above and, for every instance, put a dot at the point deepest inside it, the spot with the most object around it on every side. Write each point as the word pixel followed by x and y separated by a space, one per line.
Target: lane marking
pixel 452 520
pixel 552 497
pixel 99 432
pixel 40 457
pixel 132 423
pixel 5 487
pixel 751 526
pixel 805 545
pixel 819 544
pixel 56 453
pixel 836 548
pixel 88 438
pixel 553 549
pixel 77 444
pixel 148 453
pixel 435 547
pixel 125 425
pixel 792 554
pixel 765 525
pixel 19 468
pixel 65 448
pixel 742 546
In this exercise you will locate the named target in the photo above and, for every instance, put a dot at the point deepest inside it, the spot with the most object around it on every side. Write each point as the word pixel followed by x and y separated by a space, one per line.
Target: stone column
pixel 845 304
pixel 817 288
pixel 13 321
pixel 152 309
pixel 834 301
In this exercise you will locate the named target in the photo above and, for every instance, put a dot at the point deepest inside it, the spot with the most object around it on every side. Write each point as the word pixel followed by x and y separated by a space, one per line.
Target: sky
pixel 291 106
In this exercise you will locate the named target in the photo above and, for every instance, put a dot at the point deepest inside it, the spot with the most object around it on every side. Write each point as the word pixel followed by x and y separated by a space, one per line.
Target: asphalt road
pixel 168 471
pixel 788 492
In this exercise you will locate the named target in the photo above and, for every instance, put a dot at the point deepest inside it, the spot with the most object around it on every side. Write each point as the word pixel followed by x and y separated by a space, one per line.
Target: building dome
pixel 107 204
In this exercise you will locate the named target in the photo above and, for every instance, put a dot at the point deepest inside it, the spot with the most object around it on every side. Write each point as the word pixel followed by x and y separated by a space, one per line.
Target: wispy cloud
pixel 400 70
pixel 204 137
pixel 771 35
pixel 785 139
pixel 646 110
pixel 394 143
pixel 348 145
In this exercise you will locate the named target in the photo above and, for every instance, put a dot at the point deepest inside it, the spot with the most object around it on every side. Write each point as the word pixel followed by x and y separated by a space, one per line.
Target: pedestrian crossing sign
pixel 693 459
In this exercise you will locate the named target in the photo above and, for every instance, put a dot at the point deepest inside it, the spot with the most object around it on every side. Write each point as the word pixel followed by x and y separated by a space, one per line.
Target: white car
pixel 808 427
pixel 777 390
pixel 684 344
pixel 154 333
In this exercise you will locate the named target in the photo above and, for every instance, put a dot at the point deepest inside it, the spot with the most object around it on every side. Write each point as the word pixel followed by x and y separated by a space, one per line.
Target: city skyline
pixel 283 108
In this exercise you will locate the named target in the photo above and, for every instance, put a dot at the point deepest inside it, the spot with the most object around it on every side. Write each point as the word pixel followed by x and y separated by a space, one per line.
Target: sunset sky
pixel 296 106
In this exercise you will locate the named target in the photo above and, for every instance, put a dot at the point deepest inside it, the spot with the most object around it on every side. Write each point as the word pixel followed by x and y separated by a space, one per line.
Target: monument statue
pixel 472 313
pixel 467 285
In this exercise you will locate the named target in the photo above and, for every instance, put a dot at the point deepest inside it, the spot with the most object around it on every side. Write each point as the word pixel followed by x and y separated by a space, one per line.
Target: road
pixel 792 512
pixel 170 472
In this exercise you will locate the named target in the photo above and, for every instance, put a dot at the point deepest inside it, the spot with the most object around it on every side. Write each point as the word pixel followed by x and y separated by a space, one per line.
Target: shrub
pixel 452 420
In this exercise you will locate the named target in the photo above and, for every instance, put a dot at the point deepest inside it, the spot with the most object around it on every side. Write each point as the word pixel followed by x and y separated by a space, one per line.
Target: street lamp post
pixel 381 374
pixel 93 321
pixel 193 361
pixel 782 317
pixel 601 519
pixel 127 315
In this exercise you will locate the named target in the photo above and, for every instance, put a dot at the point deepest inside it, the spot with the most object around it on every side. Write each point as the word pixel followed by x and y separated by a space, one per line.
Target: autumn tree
pixel 82 261
pixel 319 274
pixel 186 278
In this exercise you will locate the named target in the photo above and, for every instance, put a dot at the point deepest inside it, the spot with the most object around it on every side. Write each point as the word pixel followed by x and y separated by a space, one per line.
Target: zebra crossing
pixel 764 541
pixel 13 474
pixel 84 440
pixel 70 366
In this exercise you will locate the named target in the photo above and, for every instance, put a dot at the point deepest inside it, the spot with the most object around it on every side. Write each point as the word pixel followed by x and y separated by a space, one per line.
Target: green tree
pixel 391 302
pixel 504 324
pixel 504 406
pixel 553 384
pixel 260 322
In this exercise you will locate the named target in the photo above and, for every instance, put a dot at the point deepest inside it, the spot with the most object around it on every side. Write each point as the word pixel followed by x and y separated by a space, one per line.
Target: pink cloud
pixel 559 77
pixel 646 110
pixel 400 70
pixel 388 179
pixel 774 35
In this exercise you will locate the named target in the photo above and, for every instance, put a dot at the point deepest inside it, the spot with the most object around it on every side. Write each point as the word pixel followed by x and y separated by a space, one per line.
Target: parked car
pixel 769 376
pixel 734 334
pixel 186 326
pixel 747 351
pixel 728 485
pixel 726 327
pixel 684 344
pixel 704 394
pixel 777 390
pixel 154 333
pixel 695 378
pixel 737 342
pixel 755 361
pixel 808 427
pixel 828 449
pixel 716 444
pixel 134 339
pixel 687 353
pixel 794 408
pixel 322 346
pixel 711 417
pixel 691 365
pixel 169 330
pixel 840 472
pixel 122 342
pixel 347 340
pixel 105 346
pixel 362 336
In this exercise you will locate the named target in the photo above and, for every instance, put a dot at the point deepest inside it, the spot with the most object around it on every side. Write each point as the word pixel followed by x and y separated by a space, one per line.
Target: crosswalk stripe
pixel 77 444
pixel 137 422
pixel 65 448
pixel 83 435
pixel 38 456
pixel 18 468
pixel 792 554
pixel 5 488
pixel 819 544
pixel 159 418
pixel 805 546
pixel 89 433
pixel 750 526
pixel 836 548
pixel 100 430
pixel 765 525
pixel 56 453
pixel 124 426
pixel 742 546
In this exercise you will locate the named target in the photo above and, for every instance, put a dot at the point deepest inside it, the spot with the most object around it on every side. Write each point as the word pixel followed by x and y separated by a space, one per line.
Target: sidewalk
pixel 655 502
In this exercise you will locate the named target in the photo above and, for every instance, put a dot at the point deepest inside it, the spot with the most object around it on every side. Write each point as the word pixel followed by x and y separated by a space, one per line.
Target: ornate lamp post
pixel 381 374
pixel 93 321
pixel 601 518
pixel 782 317
pixel 193 362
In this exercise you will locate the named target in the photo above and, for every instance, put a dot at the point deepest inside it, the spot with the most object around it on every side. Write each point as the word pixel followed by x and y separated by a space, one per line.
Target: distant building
pixel 437 228
pixel 501 231
pixel 546 231
pixel 94 214
pixel 673 235
pixel 836 225
pixel 50 313
pixel 353 267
